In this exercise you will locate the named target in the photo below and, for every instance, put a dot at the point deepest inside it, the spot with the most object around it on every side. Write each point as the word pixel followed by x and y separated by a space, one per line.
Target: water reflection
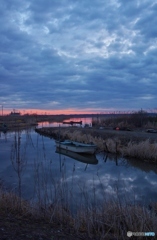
pixel 47 173
pixel 3 135
pixel 57 124
pixel 85 158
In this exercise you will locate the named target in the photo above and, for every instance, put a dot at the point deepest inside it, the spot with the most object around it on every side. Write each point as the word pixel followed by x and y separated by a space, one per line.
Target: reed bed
pixel 115 220
pixel 136 119
pixel 144 150
pixel 12 204
pixel 110 220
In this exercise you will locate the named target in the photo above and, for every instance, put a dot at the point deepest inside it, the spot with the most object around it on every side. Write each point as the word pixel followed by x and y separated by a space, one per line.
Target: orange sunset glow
pixel 68 111
pixel 52 112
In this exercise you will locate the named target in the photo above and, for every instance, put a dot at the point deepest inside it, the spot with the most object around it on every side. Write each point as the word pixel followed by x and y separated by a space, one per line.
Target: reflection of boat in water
pixel 85 158
pixel 77 147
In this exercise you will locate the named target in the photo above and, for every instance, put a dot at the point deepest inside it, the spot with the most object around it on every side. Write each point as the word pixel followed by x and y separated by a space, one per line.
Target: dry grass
pixel 106 221
pixel 151 125
pixel 11 203
pixel 136 119
pixel 114 219
pixel 143 150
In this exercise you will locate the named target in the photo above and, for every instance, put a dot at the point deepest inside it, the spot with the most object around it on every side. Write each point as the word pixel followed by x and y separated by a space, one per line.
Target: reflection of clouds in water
pixel 132 187
pixel 129 182
pixel 153 184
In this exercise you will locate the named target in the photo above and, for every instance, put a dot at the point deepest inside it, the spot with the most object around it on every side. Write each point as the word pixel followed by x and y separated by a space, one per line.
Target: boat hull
pixel 77 147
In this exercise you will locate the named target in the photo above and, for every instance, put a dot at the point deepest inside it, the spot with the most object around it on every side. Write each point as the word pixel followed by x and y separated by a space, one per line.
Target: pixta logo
pixel 140 234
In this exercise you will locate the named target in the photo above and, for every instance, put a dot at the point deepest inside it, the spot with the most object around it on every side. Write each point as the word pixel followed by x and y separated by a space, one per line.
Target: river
pixel 29 164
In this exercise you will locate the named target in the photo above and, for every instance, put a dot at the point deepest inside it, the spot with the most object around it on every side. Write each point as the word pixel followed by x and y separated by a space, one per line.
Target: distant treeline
pixel 137 119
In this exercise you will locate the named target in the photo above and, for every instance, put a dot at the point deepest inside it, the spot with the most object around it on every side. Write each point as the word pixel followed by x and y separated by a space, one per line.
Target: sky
pixel 78 56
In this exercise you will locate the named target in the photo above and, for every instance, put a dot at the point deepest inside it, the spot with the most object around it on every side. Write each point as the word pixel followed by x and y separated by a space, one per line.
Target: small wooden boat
pixel 73 122
pixel 85 158
pixel 77 147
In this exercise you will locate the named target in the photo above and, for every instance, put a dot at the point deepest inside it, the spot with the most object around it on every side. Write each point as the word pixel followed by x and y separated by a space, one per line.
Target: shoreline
pixel 137 144
pixel 137 134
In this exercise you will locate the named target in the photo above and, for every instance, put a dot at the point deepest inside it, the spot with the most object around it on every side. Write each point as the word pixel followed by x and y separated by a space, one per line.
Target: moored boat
pixel 77 147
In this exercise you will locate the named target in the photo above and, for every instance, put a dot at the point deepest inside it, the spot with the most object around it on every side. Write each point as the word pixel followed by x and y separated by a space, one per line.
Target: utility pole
pixel 2 109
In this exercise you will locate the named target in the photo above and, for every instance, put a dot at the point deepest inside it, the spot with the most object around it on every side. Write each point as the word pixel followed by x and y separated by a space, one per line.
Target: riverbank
pixel 20 219
pixel 138 144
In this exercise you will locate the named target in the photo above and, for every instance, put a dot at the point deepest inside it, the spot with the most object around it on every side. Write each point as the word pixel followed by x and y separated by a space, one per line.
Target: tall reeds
pixel 143 150
pixel 108 220
pixel 18 159
pixel 132 120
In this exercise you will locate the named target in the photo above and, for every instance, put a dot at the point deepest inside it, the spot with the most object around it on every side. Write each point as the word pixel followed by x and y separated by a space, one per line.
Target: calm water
pixel 44 171
pixel 57 124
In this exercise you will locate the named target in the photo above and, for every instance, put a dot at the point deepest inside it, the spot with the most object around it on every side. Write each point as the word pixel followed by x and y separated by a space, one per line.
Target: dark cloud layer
pixel 78 54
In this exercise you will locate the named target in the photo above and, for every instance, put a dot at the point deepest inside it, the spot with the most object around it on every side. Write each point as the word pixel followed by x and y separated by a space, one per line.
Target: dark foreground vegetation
pixel 20 219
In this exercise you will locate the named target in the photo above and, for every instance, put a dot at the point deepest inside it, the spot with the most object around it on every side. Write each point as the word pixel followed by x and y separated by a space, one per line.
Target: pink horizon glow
pixel 66 111
pixel 51 112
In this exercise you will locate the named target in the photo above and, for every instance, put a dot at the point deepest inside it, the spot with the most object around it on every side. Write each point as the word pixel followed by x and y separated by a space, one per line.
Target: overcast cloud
pixel 78 54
